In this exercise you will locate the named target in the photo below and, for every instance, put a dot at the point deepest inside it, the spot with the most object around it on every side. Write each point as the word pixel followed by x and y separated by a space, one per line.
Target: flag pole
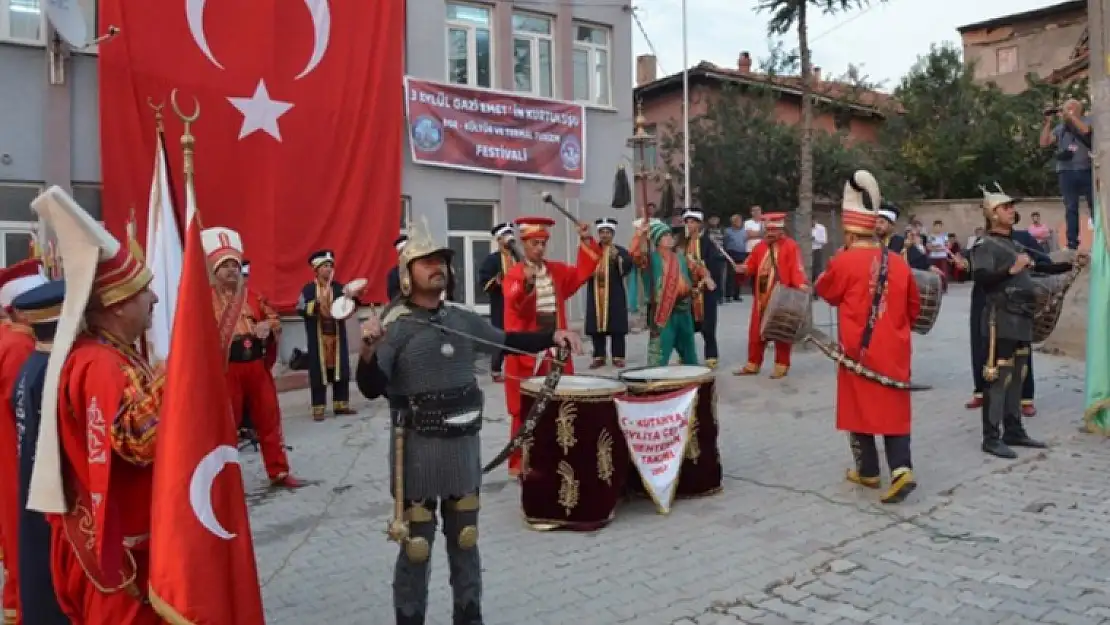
pixel 188 143
pixel 685 111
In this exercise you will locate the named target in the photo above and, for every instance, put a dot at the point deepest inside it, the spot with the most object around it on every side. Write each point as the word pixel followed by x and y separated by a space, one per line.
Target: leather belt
pixel 246 348
pixel 447 413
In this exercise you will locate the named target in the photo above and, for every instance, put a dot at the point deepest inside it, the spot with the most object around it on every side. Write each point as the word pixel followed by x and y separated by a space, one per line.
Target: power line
pixel 647 39
pixel 854 17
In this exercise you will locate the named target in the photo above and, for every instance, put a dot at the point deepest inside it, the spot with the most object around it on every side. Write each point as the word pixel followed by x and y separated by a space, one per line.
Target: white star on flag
pixel 260 112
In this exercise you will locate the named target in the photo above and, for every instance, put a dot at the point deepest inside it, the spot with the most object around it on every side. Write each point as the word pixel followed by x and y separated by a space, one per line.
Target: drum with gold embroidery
pixel 701 468
pixel 930 290
pixel 576 463
pixel 787 316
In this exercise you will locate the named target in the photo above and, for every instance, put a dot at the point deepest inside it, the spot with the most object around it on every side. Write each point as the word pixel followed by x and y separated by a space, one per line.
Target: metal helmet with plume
pixel 421 245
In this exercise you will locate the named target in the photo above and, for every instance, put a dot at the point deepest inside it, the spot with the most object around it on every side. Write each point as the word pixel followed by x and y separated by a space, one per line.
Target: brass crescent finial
pixel 157 108
pixel 177 109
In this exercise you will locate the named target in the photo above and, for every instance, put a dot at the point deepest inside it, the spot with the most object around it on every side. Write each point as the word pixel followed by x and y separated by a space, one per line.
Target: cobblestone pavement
pixel 982 540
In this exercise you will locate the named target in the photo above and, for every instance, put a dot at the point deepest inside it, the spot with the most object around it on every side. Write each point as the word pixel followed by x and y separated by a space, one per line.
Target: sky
pixel 884 39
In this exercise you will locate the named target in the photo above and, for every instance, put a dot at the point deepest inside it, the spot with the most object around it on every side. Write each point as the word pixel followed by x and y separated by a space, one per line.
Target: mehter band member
pixel 393 280
pixel 774 260
pixel 877 301
pixel 328 355
pixel 248 327
pixel 702 252
pixel 16 346
pixel 671 326
pixel 1003 270
pixel 606 300
pixel 94 460
pixel 1042 263
pixel 38 602
pixel 491 277
pixel 421 356
pixel 536 292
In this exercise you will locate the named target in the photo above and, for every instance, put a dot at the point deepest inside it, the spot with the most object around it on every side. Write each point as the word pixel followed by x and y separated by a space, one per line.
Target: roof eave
pixel 667 82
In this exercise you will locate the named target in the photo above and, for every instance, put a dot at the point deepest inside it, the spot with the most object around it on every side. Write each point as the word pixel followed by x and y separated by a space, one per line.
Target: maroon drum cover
pixel 701 468
pixel 576 463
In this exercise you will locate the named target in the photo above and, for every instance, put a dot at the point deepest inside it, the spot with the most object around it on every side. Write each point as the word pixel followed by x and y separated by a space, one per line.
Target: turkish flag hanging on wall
pixel 299 139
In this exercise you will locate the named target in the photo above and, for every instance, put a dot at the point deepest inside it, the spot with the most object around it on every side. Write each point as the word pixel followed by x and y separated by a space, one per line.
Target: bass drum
pixel 788 315
pixel 930 290
pixel 701 471
pixel 1046 289
pixel 576 463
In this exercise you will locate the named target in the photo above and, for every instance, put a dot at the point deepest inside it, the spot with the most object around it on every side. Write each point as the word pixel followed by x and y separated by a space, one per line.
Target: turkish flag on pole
pixel 202 568
pixel 300 135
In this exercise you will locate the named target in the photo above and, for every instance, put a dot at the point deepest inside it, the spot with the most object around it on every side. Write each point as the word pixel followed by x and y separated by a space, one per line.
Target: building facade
pixel 857 113
pixel 49 126
pixel 556 49
pixel 1040 42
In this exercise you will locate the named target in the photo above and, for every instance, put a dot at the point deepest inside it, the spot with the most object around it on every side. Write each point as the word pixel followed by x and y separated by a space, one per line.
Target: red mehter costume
pixel 540 307
pixel 94 458
pixel 250 382
pixel 775 260
pixel 875 332
pixel 16 344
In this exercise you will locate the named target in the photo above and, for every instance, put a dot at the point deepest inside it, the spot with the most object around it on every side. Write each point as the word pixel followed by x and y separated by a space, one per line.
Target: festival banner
pixel 657 429
pixel 495 132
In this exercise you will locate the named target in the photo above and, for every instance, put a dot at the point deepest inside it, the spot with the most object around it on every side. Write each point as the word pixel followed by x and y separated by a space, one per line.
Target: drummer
pixel 880 342
pixel 328 353
pixel 774 260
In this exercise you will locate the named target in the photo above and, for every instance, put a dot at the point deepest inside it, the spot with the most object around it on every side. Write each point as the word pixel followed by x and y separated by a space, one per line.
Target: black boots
pixel 1014 436
pixel 469 614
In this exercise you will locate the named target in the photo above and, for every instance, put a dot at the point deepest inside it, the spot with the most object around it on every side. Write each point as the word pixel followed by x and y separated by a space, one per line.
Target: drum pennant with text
pixel 657 429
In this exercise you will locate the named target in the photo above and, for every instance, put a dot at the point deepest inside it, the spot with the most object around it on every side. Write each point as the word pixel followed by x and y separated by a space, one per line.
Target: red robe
pixel 251 384
pixel 108 425
pixel 16 346
pixel 863 406
pixel 520 316
pixel 761 269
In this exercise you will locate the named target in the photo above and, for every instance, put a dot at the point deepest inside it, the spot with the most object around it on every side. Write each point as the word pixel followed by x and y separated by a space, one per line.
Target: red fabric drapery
pixel 299 140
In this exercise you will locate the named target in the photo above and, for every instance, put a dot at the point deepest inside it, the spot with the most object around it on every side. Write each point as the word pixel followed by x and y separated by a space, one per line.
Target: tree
pixel 742 155
pixel 953 135
pixel 785 15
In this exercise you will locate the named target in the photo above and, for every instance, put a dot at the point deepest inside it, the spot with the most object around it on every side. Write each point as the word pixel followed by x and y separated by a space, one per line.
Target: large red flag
pixel 300 136
pixel 202 568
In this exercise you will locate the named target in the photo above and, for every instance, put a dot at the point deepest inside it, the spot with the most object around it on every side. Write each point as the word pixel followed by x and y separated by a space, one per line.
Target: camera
pixel 1049 112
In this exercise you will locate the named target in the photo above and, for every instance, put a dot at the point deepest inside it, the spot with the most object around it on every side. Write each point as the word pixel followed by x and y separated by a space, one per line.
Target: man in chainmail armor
pixel 1003 269
pixel 421 356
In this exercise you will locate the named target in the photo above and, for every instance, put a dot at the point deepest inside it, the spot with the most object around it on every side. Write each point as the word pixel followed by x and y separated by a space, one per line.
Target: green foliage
pixel 742 155
pixel 785 13
pixel 953 134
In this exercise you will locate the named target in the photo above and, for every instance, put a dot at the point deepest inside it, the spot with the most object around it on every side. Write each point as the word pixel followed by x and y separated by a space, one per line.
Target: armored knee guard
pixel 460 528
pixel 413 570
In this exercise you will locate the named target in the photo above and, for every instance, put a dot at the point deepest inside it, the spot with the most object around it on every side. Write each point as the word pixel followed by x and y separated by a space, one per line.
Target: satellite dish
pixel 68 19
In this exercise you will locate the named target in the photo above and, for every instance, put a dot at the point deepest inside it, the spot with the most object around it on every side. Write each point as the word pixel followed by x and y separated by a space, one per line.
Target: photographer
pixel 1072 137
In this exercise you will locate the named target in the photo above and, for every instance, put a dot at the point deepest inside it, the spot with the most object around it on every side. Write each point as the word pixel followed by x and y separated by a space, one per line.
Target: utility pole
pixel 1098 29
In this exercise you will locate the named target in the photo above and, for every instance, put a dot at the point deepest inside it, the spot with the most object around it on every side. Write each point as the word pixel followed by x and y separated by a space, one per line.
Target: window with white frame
pixel 406 212
pixel 469 44
pixel 24 21
pixel 592 64
pixel 533 54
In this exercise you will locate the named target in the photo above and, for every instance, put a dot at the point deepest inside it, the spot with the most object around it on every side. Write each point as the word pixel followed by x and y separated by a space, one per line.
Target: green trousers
pixel 677 335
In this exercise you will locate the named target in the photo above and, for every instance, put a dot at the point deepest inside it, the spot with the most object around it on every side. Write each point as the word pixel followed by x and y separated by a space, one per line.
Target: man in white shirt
pixel 754 228
pixel 820 239
pixel 973 240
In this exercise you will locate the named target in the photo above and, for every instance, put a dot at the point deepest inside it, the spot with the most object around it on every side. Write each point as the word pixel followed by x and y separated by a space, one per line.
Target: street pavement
pixel 982 540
